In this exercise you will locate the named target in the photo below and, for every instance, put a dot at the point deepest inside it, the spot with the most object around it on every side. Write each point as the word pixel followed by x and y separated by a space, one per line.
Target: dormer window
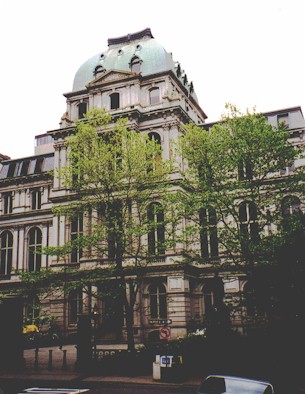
pixel 38 165
pixel 154 96
pixel 114 101
pixel 25 167
pixel 82 109
pixel 135 65
pixel 11 170
pixel 98 70
pixel 283 118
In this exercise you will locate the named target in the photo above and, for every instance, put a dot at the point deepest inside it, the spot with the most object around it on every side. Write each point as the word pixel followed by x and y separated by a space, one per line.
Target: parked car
pixel 43 390
pixel 219 384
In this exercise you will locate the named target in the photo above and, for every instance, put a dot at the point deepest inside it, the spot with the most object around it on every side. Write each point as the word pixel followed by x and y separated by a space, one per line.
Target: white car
pixel 219 384
pixel 43 390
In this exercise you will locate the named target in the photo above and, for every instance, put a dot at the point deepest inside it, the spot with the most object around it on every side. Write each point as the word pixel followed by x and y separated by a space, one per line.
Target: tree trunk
pixel 129 327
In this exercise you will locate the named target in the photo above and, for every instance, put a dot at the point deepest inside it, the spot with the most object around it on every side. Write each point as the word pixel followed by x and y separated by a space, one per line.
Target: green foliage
pixel 238 160
pixel 115 172
pixel 112 175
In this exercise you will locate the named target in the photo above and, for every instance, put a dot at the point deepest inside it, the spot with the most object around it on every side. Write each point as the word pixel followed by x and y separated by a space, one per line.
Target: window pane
pixel 162 306
pixel 115 101
pixel 154 96
pixel 214 242
pixel 34 256
pixel 135 65
pixel 153 306
pixel 82 109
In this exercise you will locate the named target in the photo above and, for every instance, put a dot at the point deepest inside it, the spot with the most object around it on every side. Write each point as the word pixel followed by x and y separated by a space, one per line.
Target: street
pixel 15 388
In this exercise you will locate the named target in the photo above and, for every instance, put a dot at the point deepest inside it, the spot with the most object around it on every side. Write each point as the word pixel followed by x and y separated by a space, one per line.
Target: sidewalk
pixel 44 375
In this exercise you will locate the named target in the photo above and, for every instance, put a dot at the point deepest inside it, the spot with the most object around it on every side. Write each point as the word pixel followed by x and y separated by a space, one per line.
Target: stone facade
pixel 138 80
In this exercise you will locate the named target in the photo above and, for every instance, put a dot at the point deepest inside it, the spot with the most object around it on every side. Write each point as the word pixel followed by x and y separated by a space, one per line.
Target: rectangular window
pixel 11 170
pixel 38 165
pixel 76 233
pixel 283 118
pixel 82 109
pixel 25 167
pixel 7 203
pixel 36 199
pixel 114 101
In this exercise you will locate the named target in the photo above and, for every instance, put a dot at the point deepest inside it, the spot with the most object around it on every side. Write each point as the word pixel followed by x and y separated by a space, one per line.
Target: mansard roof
pixel 122 51
pixel 27 166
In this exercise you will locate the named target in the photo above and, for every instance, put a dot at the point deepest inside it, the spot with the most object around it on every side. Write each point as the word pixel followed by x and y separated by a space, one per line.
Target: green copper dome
pixel 122 51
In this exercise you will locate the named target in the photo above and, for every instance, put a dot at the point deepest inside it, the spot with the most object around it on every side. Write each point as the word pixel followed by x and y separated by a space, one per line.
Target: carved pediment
pixel 109 76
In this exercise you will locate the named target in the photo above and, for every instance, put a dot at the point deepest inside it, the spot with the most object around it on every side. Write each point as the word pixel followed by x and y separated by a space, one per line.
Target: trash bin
pixel 156 370
pixel 171 368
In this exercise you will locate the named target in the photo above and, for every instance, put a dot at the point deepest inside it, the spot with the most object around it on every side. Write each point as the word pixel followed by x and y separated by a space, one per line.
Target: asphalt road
pixel 15 388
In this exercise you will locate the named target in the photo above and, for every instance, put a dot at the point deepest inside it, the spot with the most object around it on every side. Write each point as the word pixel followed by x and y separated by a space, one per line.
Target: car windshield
pixel 220 385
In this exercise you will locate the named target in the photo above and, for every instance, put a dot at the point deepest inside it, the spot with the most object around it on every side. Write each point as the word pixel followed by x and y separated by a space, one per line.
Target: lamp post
pixel 95 317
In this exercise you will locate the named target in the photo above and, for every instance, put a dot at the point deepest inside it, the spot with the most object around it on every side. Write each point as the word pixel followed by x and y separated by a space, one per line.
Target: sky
pixel 246 52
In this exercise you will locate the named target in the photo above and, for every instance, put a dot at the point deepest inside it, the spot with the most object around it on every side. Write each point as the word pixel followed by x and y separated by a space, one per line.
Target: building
pixel 138 79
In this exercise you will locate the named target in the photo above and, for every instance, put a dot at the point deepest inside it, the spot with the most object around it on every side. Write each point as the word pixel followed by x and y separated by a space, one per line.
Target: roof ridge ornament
pixel 130 37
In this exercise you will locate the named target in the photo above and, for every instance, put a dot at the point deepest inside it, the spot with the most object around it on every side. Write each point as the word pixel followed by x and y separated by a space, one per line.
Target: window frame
pixel 154 99
pixel 36 199
pixel 6 252
pixel 34 247
pixel 76 230
pixel 114 100
pixel 209 245
pixel 247 214
pixel 156 234
pixel 7 203
pixel 157 301
pixel 135 64
pixel 82 109
pixel 75 305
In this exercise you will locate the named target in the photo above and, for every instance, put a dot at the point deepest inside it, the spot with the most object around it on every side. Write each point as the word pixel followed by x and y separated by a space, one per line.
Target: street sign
pixel 160 321
pixel 166 361
pixel 164 333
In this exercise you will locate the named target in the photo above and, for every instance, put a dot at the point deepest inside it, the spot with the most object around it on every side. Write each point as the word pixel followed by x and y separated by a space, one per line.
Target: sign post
pixel 164 333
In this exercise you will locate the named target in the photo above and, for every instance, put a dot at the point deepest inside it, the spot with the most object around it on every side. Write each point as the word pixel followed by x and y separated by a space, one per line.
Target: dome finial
pixel 130 37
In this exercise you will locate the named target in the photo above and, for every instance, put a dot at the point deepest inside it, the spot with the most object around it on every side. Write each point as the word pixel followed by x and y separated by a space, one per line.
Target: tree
pixel 119 190
pixel 235 191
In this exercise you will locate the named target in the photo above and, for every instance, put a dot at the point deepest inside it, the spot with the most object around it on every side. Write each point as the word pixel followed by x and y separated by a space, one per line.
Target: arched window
pixel 98 70
pixel 157 301
pixel 156 234
pixel 154 96
pixel 114 101
pixel 75 305
pixel 256 297
pixel 208 298
pixel 35 243
pixel 76 233
pixel 249 299
pixel 212 294
pixel 135 65
pixel 154 162
pixel 248 221
pixel 82 109
pixel 32 310
pixel 6 253
pixel 291 209
pixel 290 205
pixel 208 233
pixel 245 170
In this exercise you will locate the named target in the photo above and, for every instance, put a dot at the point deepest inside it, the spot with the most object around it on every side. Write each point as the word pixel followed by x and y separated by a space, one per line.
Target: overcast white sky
pixel 247 52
